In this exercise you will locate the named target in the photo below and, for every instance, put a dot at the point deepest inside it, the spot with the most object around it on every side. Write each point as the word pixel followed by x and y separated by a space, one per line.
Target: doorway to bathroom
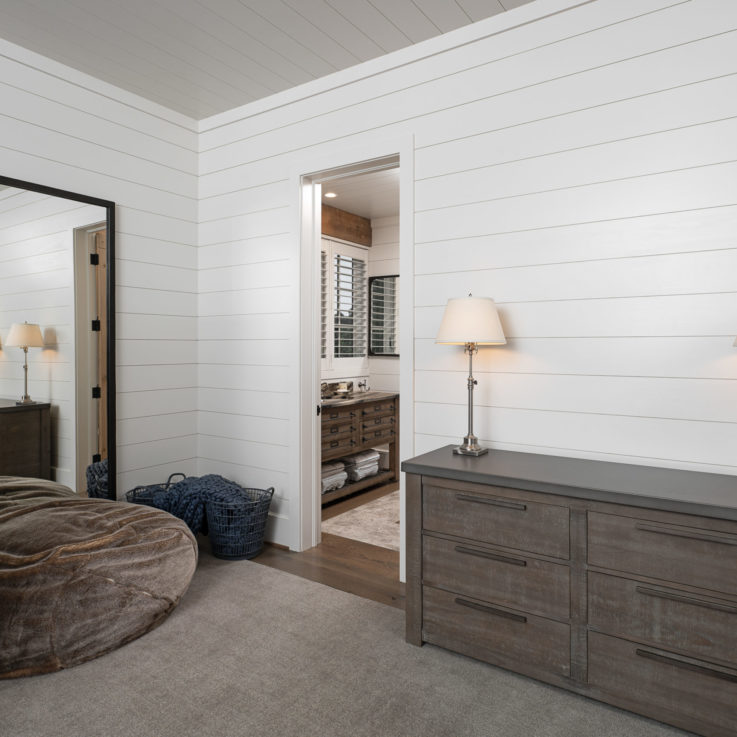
pixel 356 287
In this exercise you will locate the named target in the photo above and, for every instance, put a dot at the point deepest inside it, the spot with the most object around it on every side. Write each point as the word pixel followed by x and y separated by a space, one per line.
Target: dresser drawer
pixel 695 623
pixel 684 553
pixel 516 581
pixel 693 693
pixel 497 519
pixel 494 634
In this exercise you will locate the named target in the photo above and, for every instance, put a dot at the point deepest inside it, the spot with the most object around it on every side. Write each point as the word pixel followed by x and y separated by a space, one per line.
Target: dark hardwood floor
pixel 349 565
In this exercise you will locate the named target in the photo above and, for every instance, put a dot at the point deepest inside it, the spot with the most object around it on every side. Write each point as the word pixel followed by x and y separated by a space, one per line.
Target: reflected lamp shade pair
pixel 470 322
pixel 25 335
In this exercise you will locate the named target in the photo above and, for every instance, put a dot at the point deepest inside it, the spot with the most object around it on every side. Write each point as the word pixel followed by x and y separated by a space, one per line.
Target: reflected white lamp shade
pixel 24 335
pixel 471 320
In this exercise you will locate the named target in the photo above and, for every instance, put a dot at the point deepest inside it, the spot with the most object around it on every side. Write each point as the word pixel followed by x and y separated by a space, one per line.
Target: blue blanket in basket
pixel 187 498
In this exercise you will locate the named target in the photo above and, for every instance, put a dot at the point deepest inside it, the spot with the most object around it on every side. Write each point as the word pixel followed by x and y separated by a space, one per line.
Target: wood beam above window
pixel 346 226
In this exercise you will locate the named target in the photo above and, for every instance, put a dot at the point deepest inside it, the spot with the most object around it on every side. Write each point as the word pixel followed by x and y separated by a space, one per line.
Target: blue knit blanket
pixel 187 498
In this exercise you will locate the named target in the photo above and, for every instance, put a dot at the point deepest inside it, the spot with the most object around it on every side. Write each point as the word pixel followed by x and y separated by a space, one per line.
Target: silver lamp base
pixel 470 447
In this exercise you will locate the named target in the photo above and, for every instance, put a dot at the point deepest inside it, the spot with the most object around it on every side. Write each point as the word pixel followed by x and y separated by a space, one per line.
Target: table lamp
pixel 470 322
pixel 25 335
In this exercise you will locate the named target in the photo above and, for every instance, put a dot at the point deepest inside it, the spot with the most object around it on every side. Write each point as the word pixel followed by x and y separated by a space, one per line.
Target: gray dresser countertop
pixel 673 490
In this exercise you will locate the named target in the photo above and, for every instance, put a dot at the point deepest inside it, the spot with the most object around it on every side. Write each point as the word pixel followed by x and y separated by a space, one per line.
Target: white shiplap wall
pixel 579 169
pixel 384 260
pixel 63 129
pixel 37 286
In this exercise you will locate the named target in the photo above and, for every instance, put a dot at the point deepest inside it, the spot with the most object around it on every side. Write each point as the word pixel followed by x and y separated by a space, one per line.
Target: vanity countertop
pixel 358 398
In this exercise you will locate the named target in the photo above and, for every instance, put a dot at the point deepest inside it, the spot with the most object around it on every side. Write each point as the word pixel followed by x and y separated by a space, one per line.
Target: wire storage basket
pixel 145 494
pixel 237 524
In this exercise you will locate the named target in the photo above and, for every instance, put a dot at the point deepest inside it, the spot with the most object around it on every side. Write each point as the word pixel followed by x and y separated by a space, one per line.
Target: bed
pixel 80 577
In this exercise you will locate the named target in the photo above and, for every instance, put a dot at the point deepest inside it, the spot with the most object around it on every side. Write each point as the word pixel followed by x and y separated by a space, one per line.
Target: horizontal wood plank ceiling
pixel 201 58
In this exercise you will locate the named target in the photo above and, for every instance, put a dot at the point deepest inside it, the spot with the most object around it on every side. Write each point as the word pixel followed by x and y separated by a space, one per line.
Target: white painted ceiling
pixel 202 57
pixel 371 195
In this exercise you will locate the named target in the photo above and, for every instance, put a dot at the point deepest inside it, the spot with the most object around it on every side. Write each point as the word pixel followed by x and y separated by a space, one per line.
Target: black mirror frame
pixel 371 281
pixel 110 287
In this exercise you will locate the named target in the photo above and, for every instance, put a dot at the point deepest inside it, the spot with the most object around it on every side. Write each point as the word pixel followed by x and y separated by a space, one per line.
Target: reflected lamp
pixel 25 335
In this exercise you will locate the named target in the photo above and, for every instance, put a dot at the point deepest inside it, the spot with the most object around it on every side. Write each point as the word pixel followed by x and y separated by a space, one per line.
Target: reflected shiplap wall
pixel 63 129
pixel 37 285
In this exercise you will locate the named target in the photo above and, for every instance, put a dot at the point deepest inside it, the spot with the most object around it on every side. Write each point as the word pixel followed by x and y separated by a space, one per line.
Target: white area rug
pixel 376 522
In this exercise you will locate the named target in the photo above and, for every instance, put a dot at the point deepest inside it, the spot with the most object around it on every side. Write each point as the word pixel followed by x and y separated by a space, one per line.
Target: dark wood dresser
pixel 615 581
pixel 360 423
pixel 25 439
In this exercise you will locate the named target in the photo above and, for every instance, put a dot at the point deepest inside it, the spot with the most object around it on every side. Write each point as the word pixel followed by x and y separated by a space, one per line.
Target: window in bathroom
pixel 344 308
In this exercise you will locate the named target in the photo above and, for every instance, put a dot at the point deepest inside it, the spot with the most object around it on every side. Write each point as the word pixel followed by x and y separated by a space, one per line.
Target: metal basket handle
pixel 169 482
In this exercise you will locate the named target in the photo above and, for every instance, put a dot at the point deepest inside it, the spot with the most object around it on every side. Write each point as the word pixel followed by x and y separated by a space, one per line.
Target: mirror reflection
pixel 54 335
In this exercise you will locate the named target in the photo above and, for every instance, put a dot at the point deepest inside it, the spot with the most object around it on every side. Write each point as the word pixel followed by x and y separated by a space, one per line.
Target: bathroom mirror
pixel 57 269
pixel 383 315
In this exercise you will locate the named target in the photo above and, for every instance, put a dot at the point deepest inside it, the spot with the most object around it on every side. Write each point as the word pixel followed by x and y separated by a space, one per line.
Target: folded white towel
pixel 332 467
pixel 356 473
pixel 334 482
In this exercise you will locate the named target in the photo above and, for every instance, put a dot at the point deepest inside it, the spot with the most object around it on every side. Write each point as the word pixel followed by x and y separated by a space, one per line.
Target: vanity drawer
pixel 378 409
pixel 691 555
pixel 516 581
pixel 497 519
pixel 338 413
pixel 688 621
pixel 380 435
pixel 338 432
pixel 334 447
pixel 494 634
pixel 376 423
pixel 692 693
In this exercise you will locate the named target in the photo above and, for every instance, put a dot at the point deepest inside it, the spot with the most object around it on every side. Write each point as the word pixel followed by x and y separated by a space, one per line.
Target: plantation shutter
pixel 343 308
pixel 349 306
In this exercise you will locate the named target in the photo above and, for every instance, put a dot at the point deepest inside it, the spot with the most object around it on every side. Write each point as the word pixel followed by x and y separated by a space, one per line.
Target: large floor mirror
pixel 57 332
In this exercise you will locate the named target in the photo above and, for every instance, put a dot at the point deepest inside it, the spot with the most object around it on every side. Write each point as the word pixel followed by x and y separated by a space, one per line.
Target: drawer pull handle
pixel 334 443
pixel 491 610
pixel 715 537
pixel 493 502
pixel 334 429
pixel 678 596
pixel 687 665
pixel 490 556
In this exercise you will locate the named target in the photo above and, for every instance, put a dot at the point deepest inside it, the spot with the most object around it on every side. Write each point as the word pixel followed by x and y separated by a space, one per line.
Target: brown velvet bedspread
pixel 79 577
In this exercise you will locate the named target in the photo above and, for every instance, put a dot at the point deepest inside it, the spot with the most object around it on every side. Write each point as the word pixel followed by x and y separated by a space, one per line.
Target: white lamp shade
pixel 25 335
pixel 471 320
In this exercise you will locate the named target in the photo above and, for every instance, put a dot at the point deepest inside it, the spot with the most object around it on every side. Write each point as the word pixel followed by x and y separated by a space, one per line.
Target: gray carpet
pixel 254 651
pixel 376 522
